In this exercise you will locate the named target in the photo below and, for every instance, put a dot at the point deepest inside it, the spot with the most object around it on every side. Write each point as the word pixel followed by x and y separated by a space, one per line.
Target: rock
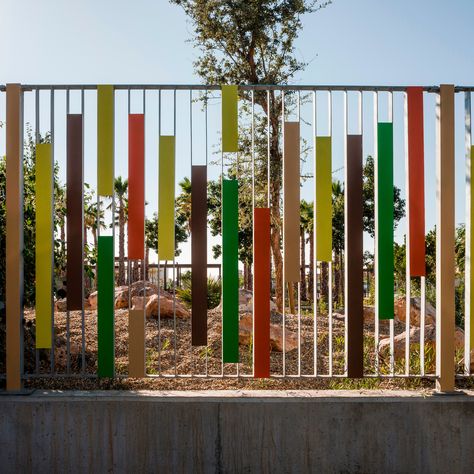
pixel 276 335
pixel 246 302
pixel 61 305
pixel 415 311
pixel 139 302
pixel 166 307
pixel 93 300
pixel 121 293
pixel 121 298
pixel 430 340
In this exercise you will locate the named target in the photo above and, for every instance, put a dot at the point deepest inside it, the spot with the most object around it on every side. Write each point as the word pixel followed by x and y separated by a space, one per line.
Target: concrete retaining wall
pixel 261 432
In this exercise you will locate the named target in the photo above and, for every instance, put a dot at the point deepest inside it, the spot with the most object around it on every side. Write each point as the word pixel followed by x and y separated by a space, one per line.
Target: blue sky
pixel 364 42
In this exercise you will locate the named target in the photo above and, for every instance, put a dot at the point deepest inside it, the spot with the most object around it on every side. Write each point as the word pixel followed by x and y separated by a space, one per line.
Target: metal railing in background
pixel 327 129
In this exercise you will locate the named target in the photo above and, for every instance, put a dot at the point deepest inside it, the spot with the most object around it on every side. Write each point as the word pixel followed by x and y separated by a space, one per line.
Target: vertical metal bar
pixel 422 325
pixel 315 262
pixel 37 136
pixel 376 312
pixel 53 335
pixel 304 269
pixel 445 228
pixel 174 252
pixel 158 247
pixel 346 320
pixel 407 241
pixel 84 242
pixel 469 280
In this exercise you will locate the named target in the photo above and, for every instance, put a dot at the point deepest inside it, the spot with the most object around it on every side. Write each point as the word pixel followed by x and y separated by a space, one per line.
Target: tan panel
pixel 14 239
pixel 136 349
pixel 291 201
pixel 445 310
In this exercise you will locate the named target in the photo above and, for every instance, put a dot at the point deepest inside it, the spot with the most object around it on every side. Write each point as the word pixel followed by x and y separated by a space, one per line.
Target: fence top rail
pixel 248 87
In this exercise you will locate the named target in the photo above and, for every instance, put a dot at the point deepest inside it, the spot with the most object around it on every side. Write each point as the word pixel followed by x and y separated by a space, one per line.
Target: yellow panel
pixel 44 245
pixel 105 140
pixel 323 200
pixel 230 133
pixel 166 198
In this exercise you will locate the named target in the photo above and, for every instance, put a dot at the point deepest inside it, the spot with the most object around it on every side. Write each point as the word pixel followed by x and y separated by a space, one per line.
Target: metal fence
pixel 265 148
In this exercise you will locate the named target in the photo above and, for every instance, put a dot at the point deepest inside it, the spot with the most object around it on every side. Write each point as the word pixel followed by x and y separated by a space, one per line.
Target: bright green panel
pixel 166 245
pixel 105 306
pixel 323 200
pixel 230 271
pixel 105 140
pixel 230 134
pixel 384 237
pixel 44 245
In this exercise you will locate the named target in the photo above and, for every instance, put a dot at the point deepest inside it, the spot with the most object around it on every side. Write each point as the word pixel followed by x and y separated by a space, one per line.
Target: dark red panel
pixel 74 213
pixel 199 255
pixel 416 182
pixel 261 292
pixel 136 186
pixel 354 257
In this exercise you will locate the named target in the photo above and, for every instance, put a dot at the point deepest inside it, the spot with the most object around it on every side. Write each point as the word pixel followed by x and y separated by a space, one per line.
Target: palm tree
pixel 121 217
pixel 306 228
pixel 306 215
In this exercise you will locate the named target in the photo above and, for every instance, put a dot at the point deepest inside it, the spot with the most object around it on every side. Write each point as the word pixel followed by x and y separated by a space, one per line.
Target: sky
pixel 365 42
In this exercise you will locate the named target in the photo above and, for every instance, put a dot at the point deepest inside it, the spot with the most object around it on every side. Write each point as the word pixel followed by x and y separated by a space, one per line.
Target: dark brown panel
pixel 74 212
pixel 199 254
pixel 354 257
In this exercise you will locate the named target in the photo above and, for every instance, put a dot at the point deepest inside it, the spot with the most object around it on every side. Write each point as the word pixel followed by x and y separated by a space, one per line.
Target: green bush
pixel 213 291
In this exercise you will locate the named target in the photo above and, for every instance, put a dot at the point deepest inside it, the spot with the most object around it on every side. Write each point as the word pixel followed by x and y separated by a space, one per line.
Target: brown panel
pixel 199 254
pixel 291 201
pixel 74 213
pixel 445 228
pixel 354 257
pixel 136 349
pixel 14 238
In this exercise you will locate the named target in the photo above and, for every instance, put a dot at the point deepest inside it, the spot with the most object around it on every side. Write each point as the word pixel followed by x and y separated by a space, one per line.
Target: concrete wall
pixel 261 432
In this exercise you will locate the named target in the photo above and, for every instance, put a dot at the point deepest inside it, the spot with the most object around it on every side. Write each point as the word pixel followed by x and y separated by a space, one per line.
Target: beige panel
pixel 291 201
pixel 445 310
pixel 14 245
pixel 136 350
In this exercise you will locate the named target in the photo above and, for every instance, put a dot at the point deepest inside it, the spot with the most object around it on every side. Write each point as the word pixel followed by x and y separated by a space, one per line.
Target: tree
pixel 121 217
pixel 306 228
pixel 252 42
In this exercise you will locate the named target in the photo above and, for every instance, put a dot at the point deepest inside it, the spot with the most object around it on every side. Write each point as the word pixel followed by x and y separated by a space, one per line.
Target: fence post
pixel 14 237
pixel 445 307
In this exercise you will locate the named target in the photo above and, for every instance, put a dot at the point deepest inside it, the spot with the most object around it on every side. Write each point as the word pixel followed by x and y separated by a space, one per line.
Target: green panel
pixel 166 246
pixel 44 245
pixel 105 306
pixel 230 135
pixel 105 140
pixel 230 271
pixel 384 237
pixel 323 200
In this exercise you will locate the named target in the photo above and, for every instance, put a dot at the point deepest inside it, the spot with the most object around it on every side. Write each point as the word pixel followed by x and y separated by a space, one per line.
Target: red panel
pixel 261 292
pixel 416 183
pixel 136 186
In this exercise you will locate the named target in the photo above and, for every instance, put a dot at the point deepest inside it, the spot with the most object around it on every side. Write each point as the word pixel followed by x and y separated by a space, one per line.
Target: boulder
pixel 137 288
pixel 167 308
pixel 414 334
pixel 415 311
pixel 139 302
pixel 276 335
pixel 61 305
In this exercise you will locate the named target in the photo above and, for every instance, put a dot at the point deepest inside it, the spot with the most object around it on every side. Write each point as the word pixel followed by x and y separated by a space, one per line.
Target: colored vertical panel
pixel 105 306
pixel 136 186
pixel 44 245
pixel 384 228
pixel 291 201
pixel 74 213
pixel 323 199
pixel 416 182
pixel 199 255
pixel 354 257
pixel 445 229
pixel 166 198
pixel 230 118
pixel 105 140
pixel 14 235
pixel 230 271
pixel 261 291
pixel 136 337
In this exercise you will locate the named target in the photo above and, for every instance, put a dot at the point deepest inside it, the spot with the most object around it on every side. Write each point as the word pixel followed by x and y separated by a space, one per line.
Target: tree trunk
pixel 249 276
pixel 311 268
pixel 121 269
pixel 303 295
pixel 291 297
pixel 147 263
pixel 324 282
pixel 246 270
